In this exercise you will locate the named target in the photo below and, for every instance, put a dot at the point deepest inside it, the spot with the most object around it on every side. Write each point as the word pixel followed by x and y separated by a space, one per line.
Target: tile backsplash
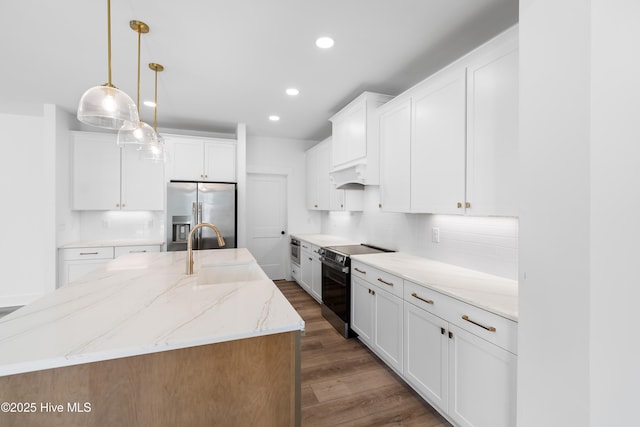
pixel 122 225
pixel 488 244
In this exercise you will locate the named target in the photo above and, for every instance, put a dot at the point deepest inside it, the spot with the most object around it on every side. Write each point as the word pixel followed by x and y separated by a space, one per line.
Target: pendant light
pixel 107 106
pixel 141 133
pixel 155 151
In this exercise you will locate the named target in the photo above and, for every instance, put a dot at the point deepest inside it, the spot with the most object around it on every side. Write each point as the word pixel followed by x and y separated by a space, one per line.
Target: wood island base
pixel 248 382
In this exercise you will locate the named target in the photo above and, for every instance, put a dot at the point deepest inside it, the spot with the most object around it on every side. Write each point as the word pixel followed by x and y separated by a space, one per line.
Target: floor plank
pixel 344 383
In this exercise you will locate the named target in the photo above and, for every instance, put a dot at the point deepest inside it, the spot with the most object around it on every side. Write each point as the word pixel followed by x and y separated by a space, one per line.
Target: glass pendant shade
pixel 155 152
pixel 141 135
pixel 108 107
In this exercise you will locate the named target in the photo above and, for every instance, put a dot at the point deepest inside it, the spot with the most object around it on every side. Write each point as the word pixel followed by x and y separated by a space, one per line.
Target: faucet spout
pixel 221 242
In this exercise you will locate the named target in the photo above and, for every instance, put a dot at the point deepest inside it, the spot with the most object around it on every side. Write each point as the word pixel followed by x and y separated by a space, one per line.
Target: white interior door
pixel 266 222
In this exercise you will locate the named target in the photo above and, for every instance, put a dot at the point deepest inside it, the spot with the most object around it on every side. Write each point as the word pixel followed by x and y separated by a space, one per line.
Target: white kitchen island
pixel 138 342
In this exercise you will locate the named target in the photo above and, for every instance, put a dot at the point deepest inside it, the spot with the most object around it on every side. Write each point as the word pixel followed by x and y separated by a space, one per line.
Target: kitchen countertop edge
pixel 499 285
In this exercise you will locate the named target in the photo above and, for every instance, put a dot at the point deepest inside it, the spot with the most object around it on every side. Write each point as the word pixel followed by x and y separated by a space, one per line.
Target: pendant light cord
pixel 139 37
pixel 155 110
pixel 109 84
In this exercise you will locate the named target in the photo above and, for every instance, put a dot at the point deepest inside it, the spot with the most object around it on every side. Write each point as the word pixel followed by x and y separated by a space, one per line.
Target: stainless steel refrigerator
pixel 190 203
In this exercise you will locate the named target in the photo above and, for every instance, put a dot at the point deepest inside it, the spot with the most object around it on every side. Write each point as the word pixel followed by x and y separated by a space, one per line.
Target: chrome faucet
pixel 190 243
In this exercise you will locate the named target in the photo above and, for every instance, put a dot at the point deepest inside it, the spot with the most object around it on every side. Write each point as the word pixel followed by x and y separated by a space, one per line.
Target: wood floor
pixel 344 384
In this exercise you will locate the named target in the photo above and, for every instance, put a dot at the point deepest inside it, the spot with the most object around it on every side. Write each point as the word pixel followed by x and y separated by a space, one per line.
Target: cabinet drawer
pixel 105 252
pixel 427 299
pixel 379 278
pixel 493 328
pixel 122 250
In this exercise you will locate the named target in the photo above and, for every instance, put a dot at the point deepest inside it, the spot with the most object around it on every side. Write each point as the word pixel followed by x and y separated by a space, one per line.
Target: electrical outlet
pixel 435 235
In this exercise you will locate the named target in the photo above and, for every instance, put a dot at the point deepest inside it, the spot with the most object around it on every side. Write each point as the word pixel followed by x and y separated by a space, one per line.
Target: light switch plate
pixel 435 235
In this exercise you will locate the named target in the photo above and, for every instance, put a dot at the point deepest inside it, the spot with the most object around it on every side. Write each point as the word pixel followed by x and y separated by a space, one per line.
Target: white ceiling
pixel 230 61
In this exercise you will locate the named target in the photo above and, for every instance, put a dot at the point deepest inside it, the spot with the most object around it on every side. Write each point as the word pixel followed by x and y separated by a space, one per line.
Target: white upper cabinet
pixel 355 153
pixel 321 191
pixel 438 144
pixel 202 159
pixel 450 144
pixel 317 175
pixel 107 177
pixel 492 130
pixel 142 182
pixel 395 157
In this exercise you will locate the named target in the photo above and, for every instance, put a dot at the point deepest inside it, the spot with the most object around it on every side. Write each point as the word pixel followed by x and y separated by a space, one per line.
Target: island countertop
pixel 140 304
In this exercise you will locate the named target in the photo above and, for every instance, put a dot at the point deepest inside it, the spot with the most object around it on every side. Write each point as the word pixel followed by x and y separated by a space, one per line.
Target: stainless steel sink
pixel 215 274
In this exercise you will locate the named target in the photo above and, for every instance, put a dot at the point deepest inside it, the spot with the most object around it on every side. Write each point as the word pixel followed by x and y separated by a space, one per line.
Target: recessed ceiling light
pixel 324 42
pixel 274 118
pixel 292 91
pixel 150 104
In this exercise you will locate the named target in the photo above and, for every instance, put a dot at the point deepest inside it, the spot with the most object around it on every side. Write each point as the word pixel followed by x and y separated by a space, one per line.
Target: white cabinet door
pixel 350 134
pixel 492 132
pixel 438 145
pixel 362 310
pixel 482 382
pixel 388 325
pixel 142 182
pixel 96 171
pixel 324 183
pixel 220 161
pixel 187 159
pixel 316 274
pixel 306 270
pixel 395 157
pixel 312 174
pixel 202 159
pixel 426 361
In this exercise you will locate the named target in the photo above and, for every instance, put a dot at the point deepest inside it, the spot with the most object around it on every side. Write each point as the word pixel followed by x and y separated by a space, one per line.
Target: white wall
pixel 486 244
pixel 286 157
pixel 67 225
pixel 615 204
pixel 27 167
pixel 579 232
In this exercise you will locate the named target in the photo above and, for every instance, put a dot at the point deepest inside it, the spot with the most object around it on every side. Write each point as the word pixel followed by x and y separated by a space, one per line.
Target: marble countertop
pixel 139 304
pixel 103 243
pixel 324 239
pixel 492 293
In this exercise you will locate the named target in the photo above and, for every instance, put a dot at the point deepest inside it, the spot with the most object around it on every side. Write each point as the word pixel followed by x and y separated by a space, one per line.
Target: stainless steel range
pixel 336 283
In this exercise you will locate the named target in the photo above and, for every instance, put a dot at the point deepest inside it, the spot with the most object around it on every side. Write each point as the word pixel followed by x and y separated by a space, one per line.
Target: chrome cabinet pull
pixel 488 328
pixel 137 252
pixel 88 253
pixel 385 282
pixel 428 301
pixel 360 271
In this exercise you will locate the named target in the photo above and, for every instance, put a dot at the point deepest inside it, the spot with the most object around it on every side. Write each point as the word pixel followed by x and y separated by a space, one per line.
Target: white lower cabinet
pixel 316 274
pixel 76 262
pixel 456 357
pixel 306 266
pixel 376 316
pixel 426 355
pixel 310 271
pixel 482 382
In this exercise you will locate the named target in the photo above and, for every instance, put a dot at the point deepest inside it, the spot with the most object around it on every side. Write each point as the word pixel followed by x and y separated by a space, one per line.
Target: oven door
pixel 336 289
pixel 295 253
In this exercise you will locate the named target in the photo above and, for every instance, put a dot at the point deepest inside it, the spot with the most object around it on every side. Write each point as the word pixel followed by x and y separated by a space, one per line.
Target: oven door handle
pixel 334 266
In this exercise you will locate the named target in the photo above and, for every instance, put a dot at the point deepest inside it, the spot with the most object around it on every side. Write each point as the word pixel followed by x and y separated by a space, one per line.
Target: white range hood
pixel 350 176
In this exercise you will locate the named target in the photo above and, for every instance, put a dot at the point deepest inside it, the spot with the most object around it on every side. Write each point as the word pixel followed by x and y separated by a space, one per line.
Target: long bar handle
pixel 88 253
pixel 138 252
pixel 385 282
pixel 488 328
pixel 360 271
pixel 428 301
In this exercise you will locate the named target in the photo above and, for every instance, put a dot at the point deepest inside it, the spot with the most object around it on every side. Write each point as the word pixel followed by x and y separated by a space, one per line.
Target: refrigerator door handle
pixel 199 221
